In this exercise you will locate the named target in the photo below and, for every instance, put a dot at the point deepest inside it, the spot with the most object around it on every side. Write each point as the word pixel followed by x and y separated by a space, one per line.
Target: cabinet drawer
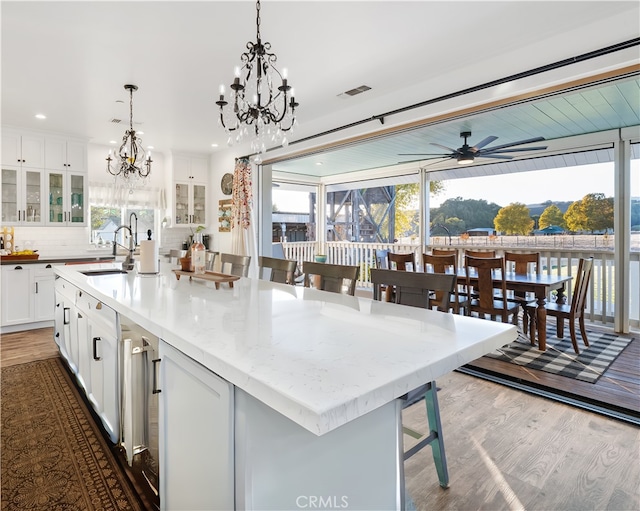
pixel 97 311
pixel 66 290
pixel 42 270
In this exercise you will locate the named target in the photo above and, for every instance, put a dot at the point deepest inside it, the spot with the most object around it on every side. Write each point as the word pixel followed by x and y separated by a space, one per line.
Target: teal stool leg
pixel 437 446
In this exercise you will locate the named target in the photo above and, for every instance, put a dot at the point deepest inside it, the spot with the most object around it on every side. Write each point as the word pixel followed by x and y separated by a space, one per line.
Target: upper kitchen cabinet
pixel 189 176
pixel 67 192
pixel 22 193
pixel 22 149
pixel 65 154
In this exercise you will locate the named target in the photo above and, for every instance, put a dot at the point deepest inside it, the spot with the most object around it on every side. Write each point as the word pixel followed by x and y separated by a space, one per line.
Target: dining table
pixel 540 286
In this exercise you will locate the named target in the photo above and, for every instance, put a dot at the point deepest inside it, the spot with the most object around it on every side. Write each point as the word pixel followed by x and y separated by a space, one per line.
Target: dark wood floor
pixel 618 389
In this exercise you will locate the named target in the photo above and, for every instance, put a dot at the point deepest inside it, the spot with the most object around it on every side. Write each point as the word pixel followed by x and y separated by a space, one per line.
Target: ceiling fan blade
pixel 519 142
pixel 497 156
pixel 513 150
pixel 441 158
pixel 484 142
pixel 444 147
pixel 425 154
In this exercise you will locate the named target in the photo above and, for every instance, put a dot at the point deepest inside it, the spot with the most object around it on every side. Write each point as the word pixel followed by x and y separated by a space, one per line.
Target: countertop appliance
pixel 139 406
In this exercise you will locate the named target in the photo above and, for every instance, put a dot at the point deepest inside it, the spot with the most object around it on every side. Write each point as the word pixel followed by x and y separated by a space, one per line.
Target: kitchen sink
pixel 105 271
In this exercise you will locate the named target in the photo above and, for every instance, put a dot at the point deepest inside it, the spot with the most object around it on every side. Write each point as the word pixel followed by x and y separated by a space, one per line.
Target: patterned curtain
pixel 243 239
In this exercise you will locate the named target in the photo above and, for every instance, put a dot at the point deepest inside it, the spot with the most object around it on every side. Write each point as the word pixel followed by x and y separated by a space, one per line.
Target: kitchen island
pixel 310 382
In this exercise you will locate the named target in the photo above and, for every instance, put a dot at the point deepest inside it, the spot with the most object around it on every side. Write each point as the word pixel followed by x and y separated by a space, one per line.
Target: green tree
pixel 514 219
pixel 99 216
pixel 474 213
pixel 594 212
pixel 574 218
pixel 551 216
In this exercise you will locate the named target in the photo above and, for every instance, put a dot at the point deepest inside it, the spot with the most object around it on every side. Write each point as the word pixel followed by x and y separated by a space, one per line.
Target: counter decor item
pixel 185 262
pixel 198 254
pixel 149 255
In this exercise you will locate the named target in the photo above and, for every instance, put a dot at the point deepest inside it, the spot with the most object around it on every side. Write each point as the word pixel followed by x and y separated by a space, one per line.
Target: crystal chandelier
pixel 260 107
pixel 130 162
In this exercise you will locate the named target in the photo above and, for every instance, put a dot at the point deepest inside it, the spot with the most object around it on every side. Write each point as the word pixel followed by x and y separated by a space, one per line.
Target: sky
pixel 535 187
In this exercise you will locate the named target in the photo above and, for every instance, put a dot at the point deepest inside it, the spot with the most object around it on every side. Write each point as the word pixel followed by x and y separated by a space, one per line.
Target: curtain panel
pixel 114 195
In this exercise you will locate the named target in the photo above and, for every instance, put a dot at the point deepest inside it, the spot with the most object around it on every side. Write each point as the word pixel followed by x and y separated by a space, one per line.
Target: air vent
pixel 356 91
pixel 115 121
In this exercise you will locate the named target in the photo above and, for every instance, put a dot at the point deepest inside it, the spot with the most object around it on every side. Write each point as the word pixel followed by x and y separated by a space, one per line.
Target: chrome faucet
pixel 132 230
pixel 128 263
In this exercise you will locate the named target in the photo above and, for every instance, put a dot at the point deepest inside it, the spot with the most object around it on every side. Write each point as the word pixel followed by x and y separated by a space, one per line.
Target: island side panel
pixel 281 465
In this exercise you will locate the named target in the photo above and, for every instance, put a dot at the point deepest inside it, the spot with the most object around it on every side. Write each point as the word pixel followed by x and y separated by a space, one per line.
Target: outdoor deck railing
pixel 556 260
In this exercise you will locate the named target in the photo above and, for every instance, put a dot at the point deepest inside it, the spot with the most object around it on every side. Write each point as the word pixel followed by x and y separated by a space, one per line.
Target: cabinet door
pixel 75 336
pixel 33 209
pixel 76 194
pixel 181 203
pixel 33 151
pixel 17 295
pixel 199 204
pixel 76 156
pixel 10 195
pixel 55 153
pixel 67 192
pixel 11 153
pixel 199 169
pixel 44 303
pixel 104 396
pixel 55 189
pixel 196 417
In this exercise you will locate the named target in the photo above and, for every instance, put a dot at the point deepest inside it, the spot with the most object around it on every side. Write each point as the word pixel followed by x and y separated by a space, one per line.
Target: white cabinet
pixel 22 192
pixel 17 294
pixel 64 154
pixel 65 297
pixel 196 420
pixel 189 177
pixel 190 203
pixel 67 192
pixel 27 294
pixel 44 292
pixel 102 354
pixel 22 149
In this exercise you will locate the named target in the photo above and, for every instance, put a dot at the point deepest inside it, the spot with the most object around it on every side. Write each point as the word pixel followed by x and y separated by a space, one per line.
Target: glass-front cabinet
pixel 190 204
pixel 22 202
pixel 67 192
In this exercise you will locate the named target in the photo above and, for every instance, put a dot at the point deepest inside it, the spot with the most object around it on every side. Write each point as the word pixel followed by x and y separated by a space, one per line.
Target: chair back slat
pixel 480 253
pixel 233 264
pixel 523 263
pixel 336 278
pixel 414 289
pixel 281 270
pixel 579 300
pixel 401 261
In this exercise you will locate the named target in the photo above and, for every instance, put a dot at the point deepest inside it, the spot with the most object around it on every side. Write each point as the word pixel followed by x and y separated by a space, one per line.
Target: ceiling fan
pixel 467 154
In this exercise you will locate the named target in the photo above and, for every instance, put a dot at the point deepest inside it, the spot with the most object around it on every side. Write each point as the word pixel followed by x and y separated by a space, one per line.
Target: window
pixel 105 221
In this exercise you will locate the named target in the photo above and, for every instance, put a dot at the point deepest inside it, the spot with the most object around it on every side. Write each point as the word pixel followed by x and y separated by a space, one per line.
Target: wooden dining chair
pixel 523 264
pixel 278 270
pixel 401 261
pixel 233 264
pixel 382 259
pixel 414 289
pixel 573 311
pixel 446 263
pixel 483 275
pixel 336 278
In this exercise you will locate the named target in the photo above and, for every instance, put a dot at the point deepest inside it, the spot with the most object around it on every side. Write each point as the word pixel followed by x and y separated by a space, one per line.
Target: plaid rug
pixel 560 358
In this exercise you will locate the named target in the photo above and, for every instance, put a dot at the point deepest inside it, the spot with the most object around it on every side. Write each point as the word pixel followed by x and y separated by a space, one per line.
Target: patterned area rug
pixel 560 358
pixel 53 455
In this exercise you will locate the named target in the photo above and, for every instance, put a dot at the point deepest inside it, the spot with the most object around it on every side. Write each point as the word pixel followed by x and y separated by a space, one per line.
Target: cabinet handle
pixel 18 268
pixel 155 362
pixel 36 288
pixel 65 315
pixel 48 266
pixel 24 215
pixel 95 354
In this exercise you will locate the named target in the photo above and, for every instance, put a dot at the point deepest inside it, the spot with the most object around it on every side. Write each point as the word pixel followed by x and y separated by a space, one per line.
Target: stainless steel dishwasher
pixel 139 406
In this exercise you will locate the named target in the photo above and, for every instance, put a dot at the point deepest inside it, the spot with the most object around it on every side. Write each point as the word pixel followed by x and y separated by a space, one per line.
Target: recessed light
pixel 112 142
pixel 214 145
pixel 318 163
pixel 139 132
pixel 41 116
pixel 150 147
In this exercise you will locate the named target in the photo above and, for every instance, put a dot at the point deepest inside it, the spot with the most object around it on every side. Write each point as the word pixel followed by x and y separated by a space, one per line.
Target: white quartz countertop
pixel 321 359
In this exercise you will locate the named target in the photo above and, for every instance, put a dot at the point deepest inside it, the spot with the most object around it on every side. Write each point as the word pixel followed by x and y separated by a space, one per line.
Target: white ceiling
pixel 70 60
